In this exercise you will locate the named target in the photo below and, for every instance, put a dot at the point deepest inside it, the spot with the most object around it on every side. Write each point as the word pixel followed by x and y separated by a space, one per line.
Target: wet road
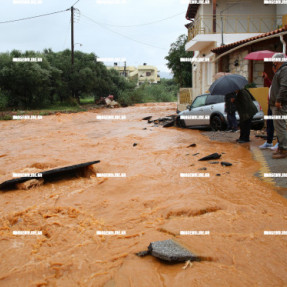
pixel 268 165
pixel 152 203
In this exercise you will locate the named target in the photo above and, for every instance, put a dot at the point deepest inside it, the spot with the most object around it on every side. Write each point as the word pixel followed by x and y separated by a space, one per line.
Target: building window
pixel 148 74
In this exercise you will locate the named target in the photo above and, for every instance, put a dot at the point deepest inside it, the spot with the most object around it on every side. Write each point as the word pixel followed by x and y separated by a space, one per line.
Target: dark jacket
pixel 229 106
pixel 245 106
pixel 279 87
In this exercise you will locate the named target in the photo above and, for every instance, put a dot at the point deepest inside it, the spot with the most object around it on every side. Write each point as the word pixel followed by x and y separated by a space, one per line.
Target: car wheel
pixel 216 123
pixel 180 123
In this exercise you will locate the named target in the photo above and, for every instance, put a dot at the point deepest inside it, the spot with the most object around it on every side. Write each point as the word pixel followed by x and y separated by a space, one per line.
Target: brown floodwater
pixel 152 203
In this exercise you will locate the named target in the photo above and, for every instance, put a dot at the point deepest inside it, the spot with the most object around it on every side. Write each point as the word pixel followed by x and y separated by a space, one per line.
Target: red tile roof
pixel 191 11
pixel 225 48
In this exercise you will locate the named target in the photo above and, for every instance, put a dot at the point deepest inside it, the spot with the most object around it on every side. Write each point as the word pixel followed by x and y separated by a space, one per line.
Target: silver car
pixel 208 111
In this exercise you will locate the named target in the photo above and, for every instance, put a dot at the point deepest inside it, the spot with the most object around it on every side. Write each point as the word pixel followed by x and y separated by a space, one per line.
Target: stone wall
pixel 242 67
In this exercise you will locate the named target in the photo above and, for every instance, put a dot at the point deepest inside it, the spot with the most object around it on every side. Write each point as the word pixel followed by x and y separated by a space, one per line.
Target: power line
pixel 143 43
pixel 29 18
pixel 144 24
pixel 75 3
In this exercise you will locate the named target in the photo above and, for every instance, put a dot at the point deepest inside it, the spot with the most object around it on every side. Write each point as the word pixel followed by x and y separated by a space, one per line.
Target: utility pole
pixel 72 48
pixel 125 69
pixel 72 34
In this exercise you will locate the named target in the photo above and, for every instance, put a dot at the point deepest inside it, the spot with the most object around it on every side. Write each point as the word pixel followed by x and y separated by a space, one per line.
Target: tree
pixel 26 84
pixel 38 84
pixel 182 71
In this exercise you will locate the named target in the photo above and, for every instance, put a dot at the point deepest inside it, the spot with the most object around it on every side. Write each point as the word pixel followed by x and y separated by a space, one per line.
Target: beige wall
pixel 261 96
pixel 241 24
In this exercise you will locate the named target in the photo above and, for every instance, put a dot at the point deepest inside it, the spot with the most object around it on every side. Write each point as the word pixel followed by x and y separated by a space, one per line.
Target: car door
pixel 215 103
pixel 197 110
pixel 211 105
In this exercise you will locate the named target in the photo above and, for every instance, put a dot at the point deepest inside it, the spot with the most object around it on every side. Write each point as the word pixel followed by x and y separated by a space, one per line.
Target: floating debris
pixel 169 251
pixel 135 144
pixel 204 168
pixel 50 175
pixel 214 162
pixel 218 174
pixel 195 154
pixel 169 124
pixel 147 118
pixel 165 121
pixel 211 156
pixel 224 163
pixel 192 145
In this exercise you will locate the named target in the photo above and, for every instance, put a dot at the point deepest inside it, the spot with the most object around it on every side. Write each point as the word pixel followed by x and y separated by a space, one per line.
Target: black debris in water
pixel 165 122
pixel 204 168
pixel 48 176
pixel 147 118
pixel 145 129
pixel 169 251
pixel 214 162
pixel 211 156
pixel 224 163
pixel 195 154
pixel 169 124
pixel 135 144
pixel 218 174
pixel 192 145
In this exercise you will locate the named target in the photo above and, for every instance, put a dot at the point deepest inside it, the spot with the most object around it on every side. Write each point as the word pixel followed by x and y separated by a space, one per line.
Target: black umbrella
pixel 228 84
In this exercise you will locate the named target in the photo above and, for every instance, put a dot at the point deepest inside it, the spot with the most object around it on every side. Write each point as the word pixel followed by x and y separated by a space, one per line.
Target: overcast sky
pixel 55 32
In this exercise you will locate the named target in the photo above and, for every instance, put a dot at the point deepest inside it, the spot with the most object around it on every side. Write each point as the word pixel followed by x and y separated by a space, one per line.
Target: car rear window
pixel 216 99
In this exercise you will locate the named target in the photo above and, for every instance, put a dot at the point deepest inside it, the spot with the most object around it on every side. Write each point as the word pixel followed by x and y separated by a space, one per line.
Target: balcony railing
pixel 234 24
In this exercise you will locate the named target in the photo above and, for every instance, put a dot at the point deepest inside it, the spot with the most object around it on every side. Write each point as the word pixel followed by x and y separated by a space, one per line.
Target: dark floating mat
pixel 50 175
pixel 169 251
pixel 147 118
pixel 211 156
pixel 224 163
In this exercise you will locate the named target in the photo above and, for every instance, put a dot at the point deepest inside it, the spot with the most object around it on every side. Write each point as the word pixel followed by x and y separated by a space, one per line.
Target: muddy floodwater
pixel 151 203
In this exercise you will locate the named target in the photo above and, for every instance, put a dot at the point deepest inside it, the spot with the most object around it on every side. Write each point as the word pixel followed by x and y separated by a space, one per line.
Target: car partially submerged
pixel 208 111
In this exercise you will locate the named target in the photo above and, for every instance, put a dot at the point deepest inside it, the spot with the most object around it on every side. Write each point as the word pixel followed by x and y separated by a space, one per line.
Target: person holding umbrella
pixel 243 101
pixel 246 110
pixel 278 103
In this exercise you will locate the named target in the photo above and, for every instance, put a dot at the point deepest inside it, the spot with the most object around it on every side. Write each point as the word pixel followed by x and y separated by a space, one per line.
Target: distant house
pixel 218 28
pixel 143 73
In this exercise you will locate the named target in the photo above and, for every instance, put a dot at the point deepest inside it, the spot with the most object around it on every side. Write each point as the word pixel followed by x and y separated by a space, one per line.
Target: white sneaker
pixel 266 145
pixel 275 147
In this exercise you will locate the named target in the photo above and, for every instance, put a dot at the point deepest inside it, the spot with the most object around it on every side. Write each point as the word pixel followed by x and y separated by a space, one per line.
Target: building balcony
pixel 234 24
